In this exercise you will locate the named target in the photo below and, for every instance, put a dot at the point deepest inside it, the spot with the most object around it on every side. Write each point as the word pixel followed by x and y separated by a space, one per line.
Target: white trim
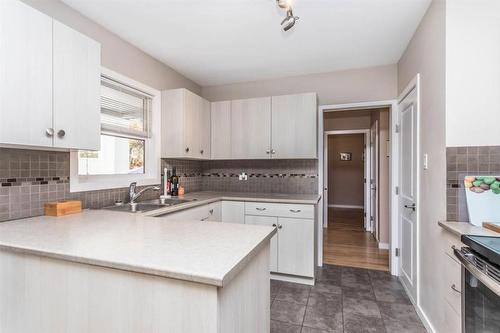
pixel 153 153
pixel 393 170
pixel 292 278
pixel 423 317
pixel 383 246
pixel 346 206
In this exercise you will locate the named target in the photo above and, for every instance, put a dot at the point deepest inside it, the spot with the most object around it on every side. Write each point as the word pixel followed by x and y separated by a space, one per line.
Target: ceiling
pixel 217 42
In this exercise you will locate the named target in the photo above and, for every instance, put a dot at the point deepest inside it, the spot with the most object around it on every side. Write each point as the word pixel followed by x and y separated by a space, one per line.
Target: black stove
pixel 486 246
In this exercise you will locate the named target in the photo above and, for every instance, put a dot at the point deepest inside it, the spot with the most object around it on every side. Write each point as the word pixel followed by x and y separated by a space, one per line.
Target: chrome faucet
pixel 134 196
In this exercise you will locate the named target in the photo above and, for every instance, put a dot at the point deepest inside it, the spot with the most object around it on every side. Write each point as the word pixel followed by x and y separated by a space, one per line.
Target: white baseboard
pixel 383 246
pixel 292 278
pixel 346 206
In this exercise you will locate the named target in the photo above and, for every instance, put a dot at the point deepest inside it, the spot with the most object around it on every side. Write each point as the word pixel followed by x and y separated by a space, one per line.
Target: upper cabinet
pixel 185 125
pixel 294 126
pixel 251 128
pixel 49 81
pixel 221 130
pixel 77 77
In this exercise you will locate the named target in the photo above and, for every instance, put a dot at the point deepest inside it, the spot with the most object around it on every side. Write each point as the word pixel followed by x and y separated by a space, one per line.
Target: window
pixel 129 141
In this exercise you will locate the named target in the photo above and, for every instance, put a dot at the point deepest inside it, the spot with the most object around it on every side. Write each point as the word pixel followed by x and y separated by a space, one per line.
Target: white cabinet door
pixel 204 150
pixel 271 222
pixel 296 246
pixel 214 211
pixel 221 130
pixel 76 89
pixel 251 128
pixel 25 75
pixel 233 212
pixel 294 126
pixel 192 124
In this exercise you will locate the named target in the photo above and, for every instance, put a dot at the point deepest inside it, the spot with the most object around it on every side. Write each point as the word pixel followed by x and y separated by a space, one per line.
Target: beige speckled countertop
pixel 204 252
pixel 466 228
pixel 203 198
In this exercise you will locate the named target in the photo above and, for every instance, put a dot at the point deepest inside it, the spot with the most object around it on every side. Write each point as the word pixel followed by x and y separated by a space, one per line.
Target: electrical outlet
pixel 243 176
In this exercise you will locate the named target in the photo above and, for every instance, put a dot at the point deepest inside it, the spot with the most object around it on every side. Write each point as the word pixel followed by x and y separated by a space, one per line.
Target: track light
pixel 289 20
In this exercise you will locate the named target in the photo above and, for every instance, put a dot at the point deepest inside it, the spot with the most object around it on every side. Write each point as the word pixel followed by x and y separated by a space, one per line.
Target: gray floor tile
pixel 293 292
pixel 288 312
pixel 323 320
pixel 331 275
pixel 280 327
pixel 362 324
pixel 314 330
pixel 358 293
pixel 325 303
pixel 327 288
pixel 391 295
pixel 360 307
pixel 357 280
pixel 400 312
pixel 396 326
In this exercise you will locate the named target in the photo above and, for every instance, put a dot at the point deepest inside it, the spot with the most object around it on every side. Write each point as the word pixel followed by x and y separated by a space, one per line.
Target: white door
pixel 25 75
pixel 251 128
pixel 408 196
pixel 296 246
pixel 270 222
pixel 374 178
pixel 294 126
pixel 77 73
pixel 221 130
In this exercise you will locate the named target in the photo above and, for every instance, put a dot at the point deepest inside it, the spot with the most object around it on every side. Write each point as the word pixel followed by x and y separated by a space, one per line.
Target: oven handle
pixel 485 279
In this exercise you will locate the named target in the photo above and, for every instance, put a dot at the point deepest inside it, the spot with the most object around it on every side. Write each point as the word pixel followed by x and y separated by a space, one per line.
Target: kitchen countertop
pixel 206 197
pixel 204 252
pixel 466 228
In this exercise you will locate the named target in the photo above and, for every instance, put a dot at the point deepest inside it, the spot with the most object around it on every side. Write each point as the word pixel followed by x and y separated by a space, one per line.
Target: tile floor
pixel 344 299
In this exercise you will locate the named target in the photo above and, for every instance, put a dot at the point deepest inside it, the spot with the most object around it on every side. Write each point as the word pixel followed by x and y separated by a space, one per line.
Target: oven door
pixel 480 295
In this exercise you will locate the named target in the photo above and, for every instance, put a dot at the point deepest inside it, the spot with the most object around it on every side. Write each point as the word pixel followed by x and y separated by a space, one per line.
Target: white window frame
pixel 79 183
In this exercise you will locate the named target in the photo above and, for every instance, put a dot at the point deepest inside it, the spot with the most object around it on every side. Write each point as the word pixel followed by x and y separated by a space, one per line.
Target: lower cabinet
pixel 210 212
pixel 452 277
pixel 270 222
pixel 233 212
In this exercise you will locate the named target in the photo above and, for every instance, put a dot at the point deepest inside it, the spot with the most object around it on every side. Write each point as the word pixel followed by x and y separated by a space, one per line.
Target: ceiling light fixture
pixel 290 19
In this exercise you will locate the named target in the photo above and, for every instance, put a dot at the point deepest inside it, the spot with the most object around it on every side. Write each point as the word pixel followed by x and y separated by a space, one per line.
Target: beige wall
pixel 426 55
pixel 345 178
pixel 360 85
pixel 346 120
pixel 117 54
pixel 472 72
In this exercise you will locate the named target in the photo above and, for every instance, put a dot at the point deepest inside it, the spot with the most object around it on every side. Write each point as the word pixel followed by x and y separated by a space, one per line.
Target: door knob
pixel 61 133
pixel 49 132
pixel 412 207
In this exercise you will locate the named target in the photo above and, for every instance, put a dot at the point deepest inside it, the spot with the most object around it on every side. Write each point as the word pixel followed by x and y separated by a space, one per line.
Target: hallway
pixel 347 244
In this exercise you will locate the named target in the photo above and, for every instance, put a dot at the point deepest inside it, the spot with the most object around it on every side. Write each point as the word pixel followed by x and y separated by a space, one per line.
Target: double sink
pixel 147 206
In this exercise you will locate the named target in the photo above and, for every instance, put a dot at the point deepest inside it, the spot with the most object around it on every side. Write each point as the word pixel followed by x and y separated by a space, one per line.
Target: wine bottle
pixel 175 183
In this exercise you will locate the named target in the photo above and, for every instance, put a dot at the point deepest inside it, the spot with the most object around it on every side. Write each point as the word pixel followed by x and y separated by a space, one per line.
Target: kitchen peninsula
pixel 104 271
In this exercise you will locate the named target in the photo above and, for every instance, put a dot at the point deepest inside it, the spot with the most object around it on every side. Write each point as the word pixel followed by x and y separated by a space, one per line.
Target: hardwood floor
pixel 346 243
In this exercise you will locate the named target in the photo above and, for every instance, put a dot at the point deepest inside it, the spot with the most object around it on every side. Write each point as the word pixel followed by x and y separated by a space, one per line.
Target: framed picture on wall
pixel 345 156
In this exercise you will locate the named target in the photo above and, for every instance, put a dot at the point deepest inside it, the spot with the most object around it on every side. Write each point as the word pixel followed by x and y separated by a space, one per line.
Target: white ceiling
pixel 224 41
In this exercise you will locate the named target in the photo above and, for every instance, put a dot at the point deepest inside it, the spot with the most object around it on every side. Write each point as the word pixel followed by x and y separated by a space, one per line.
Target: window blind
pixel 125 111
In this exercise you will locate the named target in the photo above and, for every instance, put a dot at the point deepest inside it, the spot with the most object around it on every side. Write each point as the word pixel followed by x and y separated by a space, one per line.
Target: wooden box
pixel 61 208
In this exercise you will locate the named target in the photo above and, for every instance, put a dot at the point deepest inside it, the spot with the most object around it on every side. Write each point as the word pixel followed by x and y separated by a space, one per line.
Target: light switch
pixel 426 161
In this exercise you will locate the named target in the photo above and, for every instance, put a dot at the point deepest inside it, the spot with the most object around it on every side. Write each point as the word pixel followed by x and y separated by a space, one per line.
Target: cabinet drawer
pixel 453 285
pixel 280 210
pixel 450 240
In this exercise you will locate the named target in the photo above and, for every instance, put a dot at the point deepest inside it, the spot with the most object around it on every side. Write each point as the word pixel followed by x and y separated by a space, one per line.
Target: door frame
pixel 393 170
pixel 413 85
pixel 367 160
pixel 374 157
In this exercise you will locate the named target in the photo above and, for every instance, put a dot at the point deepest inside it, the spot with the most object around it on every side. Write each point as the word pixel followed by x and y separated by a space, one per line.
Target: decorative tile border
pixel 6 182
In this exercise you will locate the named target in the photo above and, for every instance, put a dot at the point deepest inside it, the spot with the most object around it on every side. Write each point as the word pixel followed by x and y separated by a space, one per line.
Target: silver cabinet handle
pixel 205 218
pixel 61 133
pixel 211 211
pixel 280 226
pixel 49 132
pixel 454 288
pixel 295 210
pixel 187 149
pixel 201 151
pixel 261 209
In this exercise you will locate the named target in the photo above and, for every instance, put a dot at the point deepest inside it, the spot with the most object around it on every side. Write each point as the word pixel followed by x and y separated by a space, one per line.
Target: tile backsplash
pixel 30 178
pixel 461 162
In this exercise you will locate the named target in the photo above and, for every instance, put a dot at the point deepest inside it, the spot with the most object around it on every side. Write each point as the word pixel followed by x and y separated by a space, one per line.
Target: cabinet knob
pixel 61 133
pixel 49 132
pixel 274 225
pixel 211 211
pixel 273 151
pixel 280 226
pixel 201 151
pixel 187 149
pixel 268 151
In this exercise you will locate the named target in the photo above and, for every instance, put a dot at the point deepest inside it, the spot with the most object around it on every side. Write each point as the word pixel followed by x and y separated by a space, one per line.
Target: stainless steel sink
pixel 147 206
